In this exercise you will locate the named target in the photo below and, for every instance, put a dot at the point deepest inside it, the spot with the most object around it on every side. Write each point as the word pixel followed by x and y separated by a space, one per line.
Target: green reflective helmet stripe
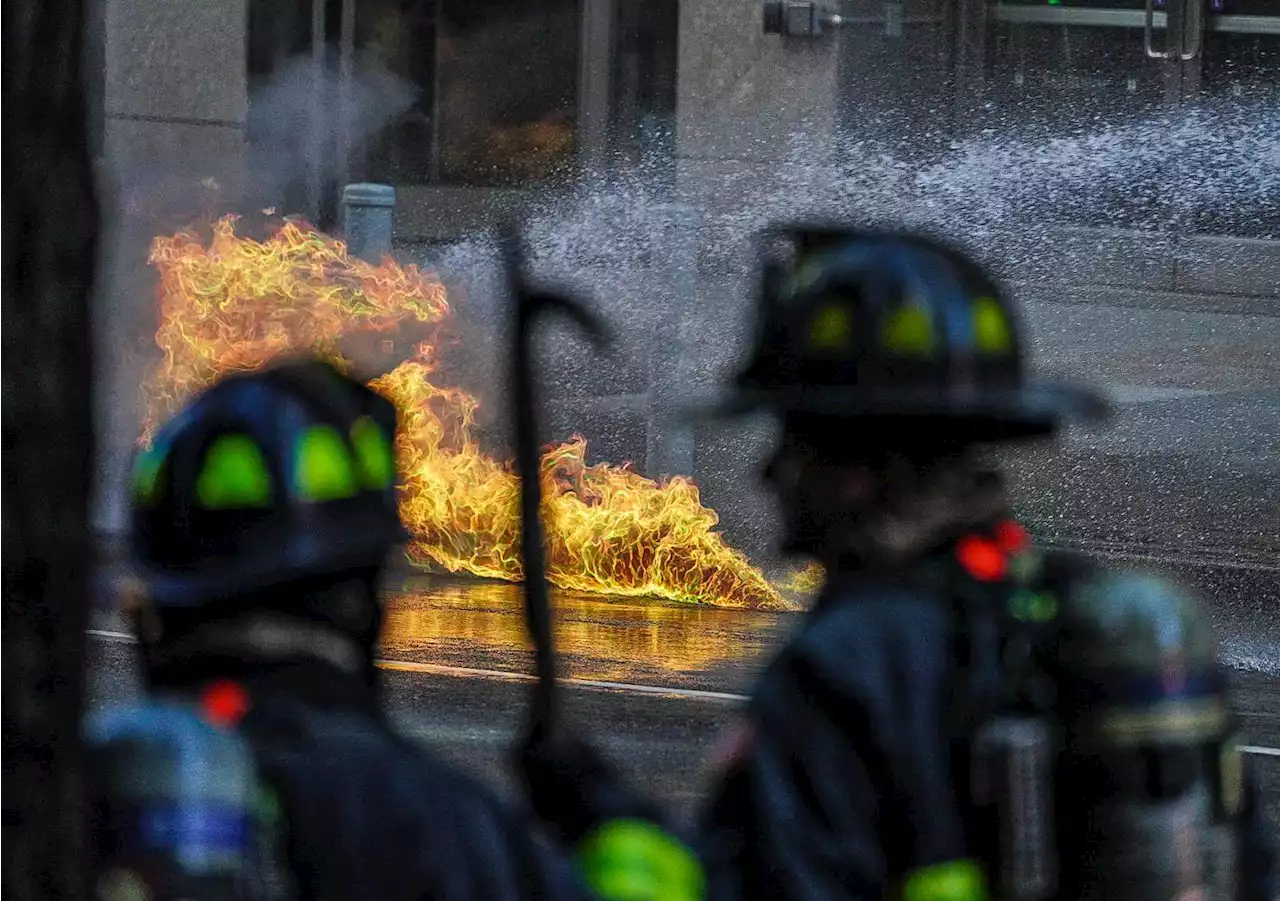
pixel 831 328
pixel 374 455
pixel 992 331
pixel 323 468
pixel 634 860
pixel 234 475
pixel 148 469
pixel 952 880
pixel 908 331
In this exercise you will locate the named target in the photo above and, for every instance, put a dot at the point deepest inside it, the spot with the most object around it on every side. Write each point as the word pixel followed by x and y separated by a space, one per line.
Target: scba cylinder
pixel 175 804
pixel 1152 780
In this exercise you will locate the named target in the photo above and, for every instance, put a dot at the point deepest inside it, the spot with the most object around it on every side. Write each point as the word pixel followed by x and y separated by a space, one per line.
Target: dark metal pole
pixel 530 304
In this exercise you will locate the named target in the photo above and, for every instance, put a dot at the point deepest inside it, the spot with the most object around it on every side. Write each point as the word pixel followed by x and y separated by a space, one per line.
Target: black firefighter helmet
pixel 896 328
pixel 266 477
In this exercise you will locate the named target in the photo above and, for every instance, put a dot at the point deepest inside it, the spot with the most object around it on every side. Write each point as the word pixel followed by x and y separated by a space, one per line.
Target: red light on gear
pixel 225 703
pixel 982 558
pixel 1012 536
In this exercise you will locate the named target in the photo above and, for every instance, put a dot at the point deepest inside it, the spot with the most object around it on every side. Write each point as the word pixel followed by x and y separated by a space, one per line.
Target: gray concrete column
pixel 748 102
pixel 756 116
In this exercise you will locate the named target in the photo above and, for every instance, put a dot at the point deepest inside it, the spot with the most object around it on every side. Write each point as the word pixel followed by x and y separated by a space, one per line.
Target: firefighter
pixel 960 715
pixel 262 763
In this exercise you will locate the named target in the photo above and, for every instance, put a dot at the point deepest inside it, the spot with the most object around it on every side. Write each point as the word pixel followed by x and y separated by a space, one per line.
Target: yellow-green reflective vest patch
pixel 373 454
pixel 1231 770
pixel 234 475
pixel 953 880
pixel 323 469
pixel 634 860
pixel 992 332
pixel 1034 607
pixel 909 331
pixel 148 471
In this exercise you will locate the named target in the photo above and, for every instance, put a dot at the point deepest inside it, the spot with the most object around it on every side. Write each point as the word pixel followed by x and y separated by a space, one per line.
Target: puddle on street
pixel 456 622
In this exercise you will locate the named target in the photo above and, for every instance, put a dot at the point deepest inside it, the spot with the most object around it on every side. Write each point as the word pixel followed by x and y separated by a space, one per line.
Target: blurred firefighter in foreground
pixel 262 764
pixel 961 716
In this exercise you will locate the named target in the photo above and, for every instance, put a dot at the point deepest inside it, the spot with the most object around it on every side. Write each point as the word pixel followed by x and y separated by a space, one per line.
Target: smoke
pixel 303 125
pixel 1006 190
pixel 308 121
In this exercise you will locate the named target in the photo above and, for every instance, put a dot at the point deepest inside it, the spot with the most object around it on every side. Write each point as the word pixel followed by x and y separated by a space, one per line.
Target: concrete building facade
pixel 1161 245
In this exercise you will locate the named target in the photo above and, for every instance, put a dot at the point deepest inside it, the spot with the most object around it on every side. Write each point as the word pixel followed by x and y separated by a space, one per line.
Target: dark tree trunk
pixel 50 236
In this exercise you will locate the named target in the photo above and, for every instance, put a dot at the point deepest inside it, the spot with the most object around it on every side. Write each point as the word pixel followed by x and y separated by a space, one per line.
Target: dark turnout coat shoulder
pixel 850 771
pixel 845 782
pixel 370 815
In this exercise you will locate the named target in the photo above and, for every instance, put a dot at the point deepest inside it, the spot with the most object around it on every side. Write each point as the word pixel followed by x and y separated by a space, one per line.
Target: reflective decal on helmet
pixel 952 880
pixel 992 331
pixel 234 475
pixel 374 455
pixel 831 328
pixel 148 475
pixel 908 331
pixel 806 275
pixel 323 469
pixel 635 859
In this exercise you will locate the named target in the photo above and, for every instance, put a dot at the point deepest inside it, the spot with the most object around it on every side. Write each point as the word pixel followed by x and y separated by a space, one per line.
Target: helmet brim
pixel 302 558
pixel 1035 408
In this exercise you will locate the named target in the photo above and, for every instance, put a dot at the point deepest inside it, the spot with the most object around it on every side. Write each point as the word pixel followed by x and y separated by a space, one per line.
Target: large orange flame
pixel 234 303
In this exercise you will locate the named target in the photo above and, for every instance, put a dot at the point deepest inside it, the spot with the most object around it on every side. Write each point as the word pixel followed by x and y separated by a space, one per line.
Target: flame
pixel 237 304
pixel 808 579
pixel 234 303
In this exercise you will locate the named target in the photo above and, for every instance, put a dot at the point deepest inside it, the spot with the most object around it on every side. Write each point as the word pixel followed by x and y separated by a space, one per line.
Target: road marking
pixel 465 672
pixel 107 635
pixel 504 675
pixel 112 636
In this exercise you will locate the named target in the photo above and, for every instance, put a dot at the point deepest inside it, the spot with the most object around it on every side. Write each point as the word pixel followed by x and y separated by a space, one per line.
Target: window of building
pixel 399 38
pixel 493 91
pixel 494 85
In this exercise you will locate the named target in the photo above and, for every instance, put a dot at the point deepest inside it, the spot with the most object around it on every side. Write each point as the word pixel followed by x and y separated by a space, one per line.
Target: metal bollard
pixel 367 219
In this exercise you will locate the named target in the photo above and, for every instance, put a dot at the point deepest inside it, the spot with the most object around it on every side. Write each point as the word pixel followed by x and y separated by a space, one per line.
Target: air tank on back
pixel 176 807
pixel 1151 784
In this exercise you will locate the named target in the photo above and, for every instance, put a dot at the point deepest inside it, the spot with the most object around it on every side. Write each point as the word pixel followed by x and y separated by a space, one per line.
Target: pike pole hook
pixel 530 305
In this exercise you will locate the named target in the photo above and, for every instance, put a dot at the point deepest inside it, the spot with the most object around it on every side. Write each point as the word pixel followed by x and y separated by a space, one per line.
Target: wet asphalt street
pixel 653 683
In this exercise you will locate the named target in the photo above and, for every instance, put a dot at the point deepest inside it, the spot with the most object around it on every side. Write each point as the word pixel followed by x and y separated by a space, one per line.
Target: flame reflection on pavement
pixel 481 625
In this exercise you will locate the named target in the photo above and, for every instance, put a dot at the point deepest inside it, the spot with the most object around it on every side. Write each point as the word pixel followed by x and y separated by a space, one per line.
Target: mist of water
pixel 1004 192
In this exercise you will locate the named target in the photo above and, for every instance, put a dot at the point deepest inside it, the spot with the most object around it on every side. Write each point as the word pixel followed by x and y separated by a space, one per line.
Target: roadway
pixel 653 683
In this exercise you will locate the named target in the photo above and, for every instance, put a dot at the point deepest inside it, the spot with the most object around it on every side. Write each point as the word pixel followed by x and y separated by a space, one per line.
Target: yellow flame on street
pixel 231 303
